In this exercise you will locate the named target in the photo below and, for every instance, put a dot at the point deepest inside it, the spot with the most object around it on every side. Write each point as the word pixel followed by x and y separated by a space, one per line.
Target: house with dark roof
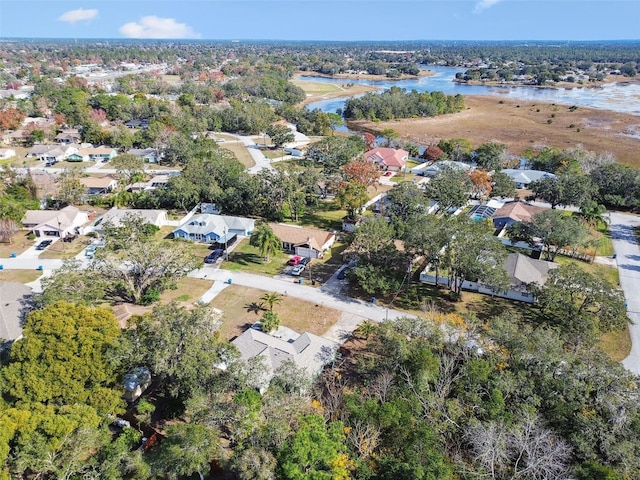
pixel 305 242
pixel 307 351
pixel 512 212
pixel 391 159
pixel 68 136
pixel 151 155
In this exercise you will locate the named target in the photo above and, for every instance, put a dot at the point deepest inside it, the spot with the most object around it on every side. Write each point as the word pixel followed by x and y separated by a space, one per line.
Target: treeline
pixel 398 103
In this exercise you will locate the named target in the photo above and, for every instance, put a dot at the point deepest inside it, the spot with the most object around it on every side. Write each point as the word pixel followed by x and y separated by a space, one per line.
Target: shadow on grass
pixel 255 307
pixel 487 307
pixel 242 258
pixel 421 297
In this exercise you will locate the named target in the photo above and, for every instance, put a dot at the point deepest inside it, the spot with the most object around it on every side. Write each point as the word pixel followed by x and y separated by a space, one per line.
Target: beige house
pixel 99 185
pixel 306 242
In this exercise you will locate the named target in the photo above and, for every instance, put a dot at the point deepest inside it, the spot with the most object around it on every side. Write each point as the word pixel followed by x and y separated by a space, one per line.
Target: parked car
pixel 43 244
pixel 213 256
pixel 295 260
pixel 298 269
pixel 388 174
pixel 305 261
pixel 342 274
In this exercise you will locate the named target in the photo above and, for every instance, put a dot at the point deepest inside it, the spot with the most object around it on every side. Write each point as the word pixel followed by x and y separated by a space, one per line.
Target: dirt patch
pixel 241 309
pixel 522 125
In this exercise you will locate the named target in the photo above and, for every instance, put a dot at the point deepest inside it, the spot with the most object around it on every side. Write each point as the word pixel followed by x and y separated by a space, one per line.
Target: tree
pixel 8 228
pixel 616 185
pixel 456 149
pixel 315 451
pixel 266 241
pixel 582 305
pixel 427 236
pixel 480 184
pixel 255 464
pixel 593 213
pixel 179 346
pixel 567 189
pixel 502 185
pixel 550 228
pixel 450 187
pixel 72 283
pixel 62 358
pixel 188 449
pixel 130 167
pixel 143 269
pixel 491 156
pixel 280 134
pixel 335 151
pixel 369 140
pixel 270 321
pixel 390 135
pixel 70 190
pixel 406 202
pixel 271 298
pixel 474 253
pixel 433 153
pixel 361 171
pixel 352 196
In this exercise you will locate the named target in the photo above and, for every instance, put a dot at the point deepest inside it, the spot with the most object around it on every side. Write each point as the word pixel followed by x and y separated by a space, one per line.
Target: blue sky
pixel 349 20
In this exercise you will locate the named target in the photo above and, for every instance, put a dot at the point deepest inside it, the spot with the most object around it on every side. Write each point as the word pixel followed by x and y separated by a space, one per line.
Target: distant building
pixel 523 178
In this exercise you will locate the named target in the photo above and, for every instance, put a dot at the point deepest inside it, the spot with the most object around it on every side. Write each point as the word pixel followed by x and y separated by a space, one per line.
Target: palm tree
pixel 266 241
pixel 593 213
pixel 271 298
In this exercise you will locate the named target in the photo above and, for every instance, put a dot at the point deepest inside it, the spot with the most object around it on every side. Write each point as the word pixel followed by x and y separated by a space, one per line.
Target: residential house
pixel 436 167
pixel 516 211
pixel 54 223
pixel 69 135
pixel 308 352
pixel 15 298
pixel 150 155
pixel 102 154
pixel 522 271
pixel 155 182
pixel 99 185
pixel 82 155
pixel 14 137
pixel 50 154
pixel 523 178
pixel 218 229
pixel 305 242
pixel 115 216
pixel 6 153
pixel 390 159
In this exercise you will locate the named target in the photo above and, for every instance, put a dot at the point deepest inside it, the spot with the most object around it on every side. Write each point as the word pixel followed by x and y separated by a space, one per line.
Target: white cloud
pixel 73 16
pixel 484 4
pixel 156 27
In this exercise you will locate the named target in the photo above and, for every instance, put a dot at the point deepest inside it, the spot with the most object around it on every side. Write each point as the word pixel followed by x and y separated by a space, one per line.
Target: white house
pixel 54 223
pixel 151 155
pixel 115 216
pixel 523 178
pixel 308 352
pixel 209 228
pixel 522 271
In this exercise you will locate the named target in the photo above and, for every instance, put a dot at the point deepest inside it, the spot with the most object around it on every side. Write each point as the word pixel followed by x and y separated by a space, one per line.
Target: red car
pixel 388 174
pixel 294 260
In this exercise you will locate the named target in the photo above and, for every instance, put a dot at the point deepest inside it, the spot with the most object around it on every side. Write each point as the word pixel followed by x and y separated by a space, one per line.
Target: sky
pixel 343 20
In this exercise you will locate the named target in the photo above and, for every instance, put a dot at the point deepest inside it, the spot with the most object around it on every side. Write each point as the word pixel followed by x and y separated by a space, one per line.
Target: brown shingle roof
pixel 518 211
pixel 299 235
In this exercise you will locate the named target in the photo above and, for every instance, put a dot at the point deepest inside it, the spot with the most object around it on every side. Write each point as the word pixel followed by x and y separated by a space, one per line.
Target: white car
pixel 298 269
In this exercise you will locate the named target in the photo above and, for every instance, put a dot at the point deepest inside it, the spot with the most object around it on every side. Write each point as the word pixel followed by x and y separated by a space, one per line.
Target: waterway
pixel 618 97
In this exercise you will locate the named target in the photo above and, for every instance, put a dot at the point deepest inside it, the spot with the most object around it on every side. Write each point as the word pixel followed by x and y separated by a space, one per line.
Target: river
pixel 618 97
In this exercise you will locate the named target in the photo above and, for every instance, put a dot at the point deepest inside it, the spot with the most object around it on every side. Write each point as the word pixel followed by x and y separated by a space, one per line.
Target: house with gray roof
pixel 115 217
pixel 55 223
pixel 209 228
pixel 522 272
pixel 14 298
pixel 308 352
pixel 523 178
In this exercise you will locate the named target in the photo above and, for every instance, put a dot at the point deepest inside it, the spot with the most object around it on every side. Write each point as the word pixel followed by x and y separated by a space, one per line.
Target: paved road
pixel 325 297
pixel 628 258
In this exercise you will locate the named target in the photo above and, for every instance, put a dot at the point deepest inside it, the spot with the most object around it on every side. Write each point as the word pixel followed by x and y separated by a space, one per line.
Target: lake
pixel 618 97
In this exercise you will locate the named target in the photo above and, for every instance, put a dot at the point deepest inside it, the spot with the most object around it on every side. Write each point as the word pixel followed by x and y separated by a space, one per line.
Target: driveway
pixel 627 251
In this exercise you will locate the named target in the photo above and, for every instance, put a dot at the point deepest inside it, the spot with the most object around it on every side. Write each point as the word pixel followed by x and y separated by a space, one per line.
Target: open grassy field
pixel 610 274
pixel 248 259
pixel 241 308
pixel 522 125
pixel 320 90
pixel 21 276
pixel 188 290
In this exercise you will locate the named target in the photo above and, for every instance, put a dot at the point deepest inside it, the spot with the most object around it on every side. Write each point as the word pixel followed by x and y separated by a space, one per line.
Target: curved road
pixel 627 251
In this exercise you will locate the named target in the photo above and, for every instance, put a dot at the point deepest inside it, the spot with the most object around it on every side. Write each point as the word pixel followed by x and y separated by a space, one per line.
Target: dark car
pixel 43 244
pixel 305 261
pixel 213 256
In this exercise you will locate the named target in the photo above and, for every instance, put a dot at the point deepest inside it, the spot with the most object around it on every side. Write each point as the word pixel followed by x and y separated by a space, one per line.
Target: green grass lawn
pixel 610 274
pixel 19 243
pixel 326 216
pixel 317 88
pixel 248 259
pixel 64 250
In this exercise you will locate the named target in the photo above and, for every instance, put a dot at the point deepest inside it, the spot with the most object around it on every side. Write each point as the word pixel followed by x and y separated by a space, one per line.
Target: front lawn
pixel 610 274
pixel 187 291
pixel 241 307
pixel 325 216
pixel 21 276
pixel 19 244
pixel 248 259
pixel 64 250
pixel 240 151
